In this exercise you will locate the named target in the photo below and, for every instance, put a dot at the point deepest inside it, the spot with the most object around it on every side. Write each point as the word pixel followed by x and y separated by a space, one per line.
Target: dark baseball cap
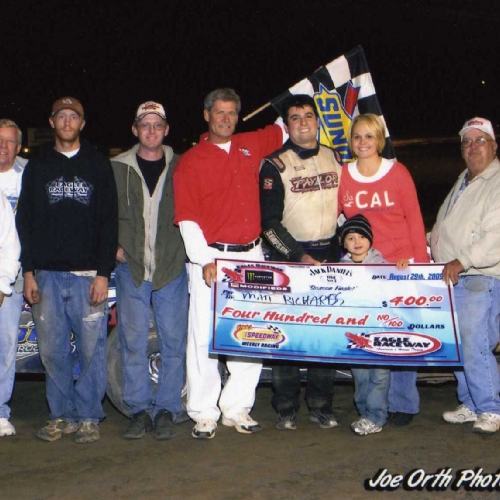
pixel 67 103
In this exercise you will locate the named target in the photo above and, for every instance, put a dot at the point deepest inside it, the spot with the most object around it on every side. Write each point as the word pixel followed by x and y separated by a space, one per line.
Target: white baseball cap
pixel 479 123
pixel 150 107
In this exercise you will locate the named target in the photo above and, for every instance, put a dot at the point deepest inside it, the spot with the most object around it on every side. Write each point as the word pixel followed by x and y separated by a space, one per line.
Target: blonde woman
pixel 383 191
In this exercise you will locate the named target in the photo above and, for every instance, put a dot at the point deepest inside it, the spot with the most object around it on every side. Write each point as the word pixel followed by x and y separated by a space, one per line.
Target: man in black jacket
pixel 67 222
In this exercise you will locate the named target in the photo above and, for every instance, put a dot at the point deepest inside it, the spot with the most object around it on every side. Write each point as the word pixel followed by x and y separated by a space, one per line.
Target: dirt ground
pixel 309 463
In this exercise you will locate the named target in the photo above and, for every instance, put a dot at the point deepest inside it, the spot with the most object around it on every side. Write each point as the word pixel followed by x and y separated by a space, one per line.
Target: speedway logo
pixel 327 180
pixel 252 336
pixel 257 277
pixel 394 343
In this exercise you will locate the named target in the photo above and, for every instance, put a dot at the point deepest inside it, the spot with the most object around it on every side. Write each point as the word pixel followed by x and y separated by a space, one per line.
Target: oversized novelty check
pixel 349 313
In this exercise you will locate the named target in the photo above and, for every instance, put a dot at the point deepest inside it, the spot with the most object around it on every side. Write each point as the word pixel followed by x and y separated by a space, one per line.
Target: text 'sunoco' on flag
pixel 342 89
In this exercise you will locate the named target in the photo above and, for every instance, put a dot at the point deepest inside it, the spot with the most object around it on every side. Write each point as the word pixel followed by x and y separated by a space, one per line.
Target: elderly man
pixel 300 224
pixel 217 207
pixel 11 171
pixel 151 268
pixel 466 237
pixel 67 220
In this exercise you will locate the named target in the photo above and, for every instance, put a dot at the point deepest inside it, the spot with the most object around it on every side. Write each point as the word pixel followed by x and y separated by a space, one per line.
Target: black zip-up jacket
pixel 67 216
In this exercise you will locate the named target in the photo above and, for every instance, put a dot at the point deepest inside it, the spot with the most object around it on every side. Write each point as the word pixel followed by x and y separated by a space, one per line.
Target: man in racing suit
pixel 298 197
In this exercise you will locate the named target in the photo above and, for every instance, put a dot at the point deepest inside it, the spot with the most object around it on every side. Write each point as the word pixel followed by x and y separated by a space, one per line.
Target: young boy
pixel 371 384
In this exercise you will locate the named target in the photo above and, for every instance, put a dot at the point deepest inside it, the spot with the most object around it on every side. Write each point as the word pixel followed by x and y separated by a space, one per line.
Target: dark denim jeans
pixel 286 386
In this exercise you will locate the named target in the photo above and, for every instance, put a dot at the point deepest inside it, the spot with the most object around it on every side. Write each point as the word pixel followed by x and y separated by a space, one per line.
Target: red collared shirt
pixel 220 191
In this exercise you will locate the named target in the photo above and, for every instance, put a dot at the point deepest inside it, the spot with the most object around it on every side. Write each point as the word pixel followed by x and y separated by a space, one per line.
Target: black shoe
pixel 140 424
pixel 164 425
pixel 181 417
pixel 400 419
pixel 286 420
pixel 324 417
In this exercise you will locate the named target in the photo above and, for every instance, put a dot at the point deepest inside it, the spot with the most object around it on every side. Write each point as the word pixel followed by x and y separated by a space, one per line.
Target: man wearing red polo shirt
pixel 216 189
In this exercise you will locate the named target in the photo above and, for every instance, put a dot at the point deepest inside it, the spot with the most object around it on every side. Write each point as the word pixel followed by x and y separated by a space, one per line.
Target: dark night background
pixel 434 63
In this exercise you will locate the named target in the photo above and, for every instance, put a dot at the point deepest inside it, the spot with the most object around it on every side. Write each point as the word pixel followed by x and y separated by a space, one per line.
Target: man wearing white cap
pixel 466 237
pixel 151 268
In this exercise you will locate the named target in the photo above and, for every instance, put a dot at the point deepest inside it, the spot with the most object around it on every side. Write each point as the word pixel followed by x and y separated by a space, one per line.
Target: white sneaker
pixel 6 428
pixel 487 423
pixel 204 429
pixel 460 415
pixel 363 427
pixel 243 423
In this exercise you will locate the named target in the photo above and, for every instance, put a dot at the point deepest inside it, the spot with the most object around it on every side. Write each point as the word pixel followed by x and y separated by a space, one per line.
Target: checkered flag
pixel 342 90
pixel 274 329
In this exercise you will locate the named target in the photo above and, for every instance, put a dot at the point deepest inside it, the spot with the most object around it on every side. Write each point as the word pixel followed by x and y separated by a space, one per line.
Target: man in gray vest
pixel 151 269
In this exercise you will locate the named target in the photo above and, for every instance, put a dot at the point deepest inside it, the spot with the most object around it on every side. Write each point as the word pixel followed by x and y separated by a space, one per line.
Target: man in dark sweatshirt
pixel 68 224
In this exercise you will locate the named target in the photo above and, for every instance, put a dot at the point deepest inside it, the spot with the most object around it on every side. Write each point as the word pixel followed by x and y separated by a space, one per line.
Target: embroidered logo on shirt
pixel 268 183
pixel 327 180
pixel 347 200
pixel 245 152
pixel 78 190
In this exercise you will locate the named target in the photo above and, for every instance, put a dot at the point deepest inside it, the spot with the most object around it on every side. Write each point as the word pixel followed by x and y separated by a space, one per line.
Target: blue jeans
pixel 371 393
pixel 477 301
pixel 170 307
pixel 10 315
pixel 403 392
pixel 65 307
